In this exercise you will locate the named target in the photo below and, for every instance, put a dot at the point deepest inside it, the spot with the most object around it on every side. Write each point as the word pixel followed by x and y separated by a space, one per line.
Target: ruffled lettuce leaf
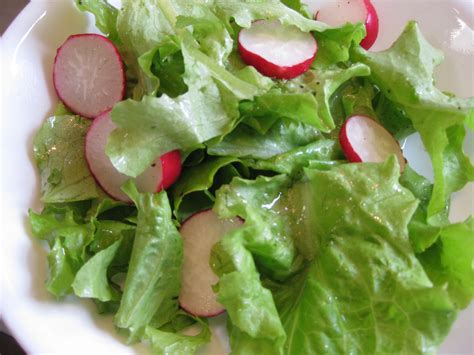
pixel 350 225
pixel 404 74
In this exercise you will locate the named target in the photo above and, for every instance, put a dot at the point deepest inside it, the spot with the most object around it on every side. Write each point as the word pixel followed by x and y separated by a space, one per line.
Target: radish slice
pixel 200 232
pixel 364 140
pixel 275 50
pixel 88 74
pixel 163 172
pixel 339 12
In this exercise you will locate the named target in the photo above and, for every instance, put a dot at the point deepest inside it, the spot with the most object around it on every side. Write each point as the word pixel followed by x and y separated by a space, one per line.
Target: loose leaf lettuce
pixel 154 273
pixel 62 270
pixel 457 258
pixel 246 142
pixel 105 16
pixel 163 342
pixel 404 73
pixel 59 153
pixel 91 279
pixel 350 224
pixel 321 84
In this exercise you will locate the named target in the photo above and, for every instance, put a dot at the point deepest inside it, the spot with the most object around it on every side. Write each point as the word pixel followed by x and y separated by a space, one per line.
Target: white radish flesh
pixel 200 232
pixel 88 74
pixel 276 50
pixel 364 140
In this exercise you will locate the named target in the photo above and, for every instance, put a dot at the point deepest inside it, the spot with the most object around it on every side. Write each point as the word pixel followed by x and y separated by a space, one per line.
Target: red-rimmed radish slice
pixel 339 12
pixel 88 74
pixel 161 174
pixel 364 140
pixel 276 50
pixel 200 232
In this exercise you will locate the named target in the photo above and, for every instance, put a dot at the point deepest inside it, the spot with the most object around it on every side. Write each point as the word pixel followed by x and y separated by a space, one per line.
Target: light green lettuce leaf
pixel 404 73
pixel 154 126
pixel 154 272
pixel 457 258
pixel 334 44
pixel 321 84
pixel 59 154
pixel 246 11
pixel 353 298
pixel 422 233
pixel 105 16
pixel 143 27
pixel 91 279
pixel 246 142
pixel 210 32
pixel 56 222
pixel 62 270
pixel 293 161
pixel 350 224
pixel 262 241
pixel 163 342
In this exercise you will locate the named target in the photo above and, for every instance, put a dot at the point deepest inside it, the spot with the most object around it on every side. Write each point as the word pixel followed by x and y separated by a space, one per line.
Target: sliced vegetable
pixel 275 50
pixel 163 172
pixel 364 140
pixel 88 74
pixel 200 232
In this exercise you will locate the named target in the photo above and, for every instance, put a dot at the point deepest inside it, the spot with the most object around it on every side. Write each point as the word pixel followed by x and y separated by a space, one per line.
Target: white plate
pixel 43 325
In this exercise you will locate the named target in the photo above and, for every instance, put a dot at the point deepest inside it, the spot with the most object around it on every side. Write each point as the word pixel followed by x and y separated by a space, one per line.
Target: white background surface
pixel 43 325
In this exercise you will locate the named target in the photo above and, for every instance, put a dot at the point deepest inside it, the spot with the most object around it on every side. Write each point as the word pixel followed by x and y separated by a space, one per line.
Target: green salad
pixel 333 257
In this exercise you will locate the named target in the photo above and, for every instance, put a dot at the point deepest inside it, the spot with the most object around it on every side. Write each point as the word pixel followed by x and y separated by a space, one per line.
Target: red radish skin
pixel 339 12
pixel 371 26
pixel 161 174
pixel 171 166
pixel 364 140
pixel 88 74
pixel 200 233
pixel 277 51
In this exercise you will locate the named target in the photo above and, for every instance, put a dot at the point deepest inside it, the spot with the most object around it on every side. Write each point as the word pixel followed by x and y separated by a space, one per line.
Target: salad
pixel 241 157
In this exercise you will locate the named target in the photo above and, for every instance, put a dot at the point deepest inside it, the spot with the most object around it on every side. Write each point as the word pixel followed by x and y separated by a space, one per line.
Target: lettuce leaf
pixel 404 73
pixel 350 225
pixel 105 16
pixel 457 258
pixel 154 273
pixel 163 342
pixel 91 279
pixel 59 154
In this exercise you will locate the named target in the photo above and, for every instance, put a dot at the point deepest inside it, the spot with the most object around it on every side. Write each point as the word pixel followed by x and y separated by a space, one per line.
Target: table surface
pixel 9 10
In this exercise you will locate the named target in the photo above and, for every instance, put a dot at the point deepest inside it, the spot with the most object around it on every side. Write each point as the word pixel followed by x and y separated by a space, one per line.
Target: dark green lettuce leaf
pixel 198 180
